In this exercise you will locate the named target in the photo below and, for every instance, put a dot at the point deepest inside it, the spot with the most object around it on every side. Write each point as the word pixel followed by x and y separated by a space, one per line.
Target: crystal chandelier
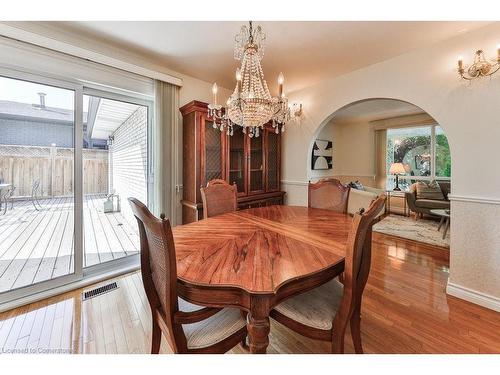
pixel 250 105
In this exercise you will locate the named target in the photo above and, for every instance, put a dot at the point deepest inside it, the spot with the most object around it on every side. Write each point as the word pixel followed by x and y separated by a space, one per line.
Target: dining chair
pixel 218 198
pixel 35 194
pixel 324 312
pixel 328 193
pixel 188 328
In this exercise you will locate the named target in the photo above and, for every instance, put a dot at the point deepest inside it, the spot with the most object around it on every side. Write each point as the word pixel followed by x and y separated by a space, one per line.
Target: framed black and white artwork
pixel 322 155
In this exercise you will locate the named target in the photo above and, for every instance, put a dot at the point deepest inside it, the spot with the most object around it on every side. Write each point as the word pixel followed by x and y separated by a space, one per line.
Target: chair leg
pixel 356 331
pixel 338 343
pixel 36 203
pixel 155 338
pixel 339 327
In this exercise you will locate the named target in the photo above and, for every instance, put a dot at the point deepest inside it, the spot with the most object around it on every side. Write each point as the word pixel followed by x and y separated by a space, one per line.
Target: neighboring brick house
pixel 128 155
pixel 25 124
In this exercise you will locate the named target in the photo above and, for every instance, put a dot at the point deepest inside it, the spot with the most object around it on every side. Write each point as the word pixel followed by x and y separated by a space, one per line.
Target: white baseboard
pixel 473 296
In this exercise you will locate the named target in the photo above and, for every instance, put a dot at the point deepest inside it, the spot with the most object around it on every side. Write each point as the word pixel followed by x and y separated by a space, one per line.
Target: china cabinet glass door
pixel 237 159
pixel 256 164
pixel 213 154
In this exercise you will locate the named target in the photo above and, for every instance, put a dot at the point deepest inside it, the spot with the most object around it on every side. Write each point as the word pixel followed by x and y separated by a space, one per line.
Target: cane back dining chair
pixel 188 328
pixel 218 198
pixel 324 312
pixel 328 193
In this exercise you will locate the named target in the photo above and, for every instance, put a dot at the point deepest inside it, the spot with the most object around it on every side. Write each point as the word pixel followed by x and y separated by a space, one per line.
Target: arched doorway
pixel 365 142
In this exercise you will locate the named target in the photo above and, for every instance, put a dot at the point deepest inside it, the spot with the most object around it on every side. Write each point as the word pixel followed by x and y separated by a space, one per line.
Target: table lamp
pixel 397 169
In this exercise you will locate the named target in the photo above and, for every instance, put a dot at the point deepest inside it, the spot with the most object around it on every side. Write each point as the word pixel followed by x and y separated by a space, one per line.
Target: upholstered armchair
pixel 424 206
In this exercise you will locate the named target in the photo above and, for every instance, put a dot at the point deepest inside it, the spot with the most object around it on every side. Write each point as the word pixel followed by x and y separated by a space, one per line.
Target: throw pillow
pixel 429 190
pixel 356 185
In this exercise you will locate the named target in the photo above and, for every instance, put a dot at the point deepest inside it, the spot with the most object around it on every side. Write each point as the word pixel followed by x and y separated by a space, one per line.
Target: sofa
pixel 362 199
pixel 424 206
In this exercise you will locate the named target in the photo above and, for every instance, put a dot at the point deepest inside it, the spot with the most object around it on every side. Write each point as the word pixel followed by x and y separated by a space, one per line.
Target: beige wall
pixel 356 150
pixel 469 116
pixel 353 152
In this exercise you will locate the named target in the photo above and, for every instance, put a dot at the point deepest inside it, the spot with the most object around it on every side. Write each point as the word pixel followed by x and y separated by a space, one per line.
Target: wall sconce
pixel 296 110
pixel 480 67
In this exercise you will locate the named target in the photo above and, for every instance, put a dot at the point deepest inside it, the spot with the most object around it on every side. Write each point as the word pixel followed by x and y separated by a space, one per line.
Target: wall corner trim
pixel 473 296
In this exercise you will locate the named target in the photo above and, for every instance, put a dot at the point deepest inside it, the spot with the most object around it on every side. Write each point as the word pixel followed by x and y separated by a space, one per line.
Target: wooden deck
pixel 38 245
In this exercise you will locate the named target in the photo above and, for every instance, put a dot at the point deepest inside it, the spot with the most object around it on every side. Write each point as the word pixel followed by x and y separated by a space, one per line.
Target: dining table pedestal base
pixel 258 334
pixel 258 326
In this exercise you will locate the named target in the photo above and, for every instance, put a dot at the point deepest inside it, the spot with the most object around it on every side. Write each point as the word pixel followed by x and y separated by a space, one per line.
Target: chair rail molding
pixel 473 199
pixel 296 183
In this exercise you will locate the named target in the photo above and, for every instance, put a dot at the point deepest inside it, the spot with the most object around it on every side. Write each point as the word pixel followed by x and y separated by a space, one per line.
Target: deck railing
pixel 53 166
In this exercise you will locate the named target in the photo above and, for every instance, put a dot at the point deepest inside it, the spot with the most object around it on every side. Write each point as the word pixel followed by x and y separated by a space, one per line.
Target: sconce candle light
pixel 480 67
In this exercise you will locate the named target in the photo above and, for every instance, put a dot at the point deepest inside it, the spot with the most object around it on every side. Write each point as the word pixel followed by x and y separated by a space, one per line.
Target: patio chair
pixel 35 192
pixel 8 198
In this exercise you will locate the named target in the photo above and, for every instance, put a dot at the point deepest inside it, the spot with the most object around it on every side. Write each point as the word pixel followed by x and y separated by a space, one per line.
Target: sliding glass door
pixel 115 167
pixel 69 159
pixel 39 185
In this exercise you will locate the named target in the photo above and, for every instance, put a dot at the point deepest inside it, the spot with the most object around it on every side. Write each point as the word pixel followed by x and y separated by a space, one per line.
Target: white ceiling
pixel 306 52
pixel 375 109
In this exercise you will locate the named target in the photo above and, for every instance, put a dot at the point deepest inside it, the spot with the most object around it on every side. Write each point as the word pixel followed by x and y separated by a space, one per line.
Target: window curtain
pixel 164 143
pixel 380 158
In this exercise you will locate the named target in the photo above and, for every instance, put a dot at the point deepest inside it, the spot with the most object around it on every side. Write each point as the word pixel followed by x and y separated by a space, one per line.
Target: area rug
pixel 421 230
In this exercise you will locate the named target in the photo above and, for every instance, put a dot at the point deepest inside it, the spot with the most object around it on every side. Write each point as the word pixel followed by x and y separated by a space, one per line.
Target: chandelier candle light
pixel 250 105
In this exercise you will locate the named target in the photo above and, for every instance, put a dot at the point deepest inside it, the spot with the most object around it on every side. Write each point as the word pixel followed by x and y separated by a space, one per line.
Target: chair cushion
pixel 212 330
pixel 431 203
pixel 430 190
pixel 315 308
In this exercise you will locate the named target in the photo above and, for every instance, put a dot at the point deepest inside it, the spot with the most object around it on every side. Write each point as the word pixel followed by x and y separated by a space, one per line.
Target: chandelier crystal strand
pixel 250 105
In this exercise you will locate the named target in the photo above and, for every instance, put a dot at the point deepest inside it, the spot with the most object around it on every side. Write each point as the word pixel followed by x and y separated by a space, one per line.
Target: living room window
pixel 423 150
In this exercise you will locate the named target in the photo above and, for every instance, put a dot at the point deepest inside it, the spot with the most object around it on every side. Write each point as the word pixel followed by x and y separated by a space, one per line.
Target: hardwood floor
pixel 405 310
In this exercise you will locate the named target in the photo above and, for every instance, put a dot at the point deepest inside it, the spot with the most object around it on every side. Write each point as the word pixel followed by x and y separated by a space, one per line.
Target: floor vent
pixel 100 290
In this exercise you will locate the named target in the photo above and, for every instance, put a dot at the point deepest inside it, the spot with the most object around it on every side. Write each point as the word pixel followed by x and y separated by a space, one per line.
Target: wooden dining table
pixel 253 259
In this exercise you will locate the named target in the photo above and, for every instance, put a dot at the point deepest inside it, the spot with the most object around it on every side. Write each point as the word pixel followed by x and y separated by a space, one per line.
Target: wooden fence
pixel 53 166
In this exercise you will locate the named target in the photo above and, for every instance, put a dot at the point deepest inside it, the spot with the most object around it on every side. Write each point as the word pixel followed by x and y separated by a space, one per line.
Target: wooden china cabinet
pixel 253 164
